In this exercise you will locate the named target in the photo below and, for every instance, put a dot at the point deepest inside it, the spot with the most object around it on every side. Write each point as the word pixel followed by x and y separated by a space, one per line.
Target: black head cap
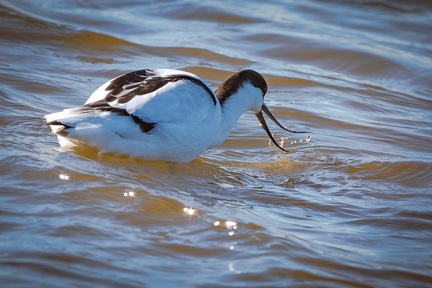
pixel 230 86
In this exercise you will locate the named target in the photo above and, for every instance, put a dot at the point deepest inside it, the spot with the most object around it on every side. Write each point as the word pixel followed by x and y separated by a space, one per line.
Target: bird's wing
pixel 156 96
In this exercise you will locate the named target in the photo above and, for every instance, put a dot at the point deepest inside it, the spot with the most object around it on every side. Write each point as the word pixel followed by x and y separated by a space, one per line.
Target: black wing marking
pixel 146 81
pixel 102 105
pixel 127 86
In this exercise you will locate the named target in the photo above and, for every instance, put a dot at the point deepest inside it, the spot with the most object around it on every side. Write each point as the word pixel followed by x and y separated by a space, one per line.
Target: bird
pixel 162 114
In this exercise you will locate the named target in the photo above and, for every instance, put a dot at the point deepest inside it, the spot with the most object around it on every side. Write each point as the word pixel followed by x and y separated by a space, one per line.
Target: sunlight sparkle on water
pixel 189 211
pixel 232 268
pixel 230 225
pixel 129 194
pixel 64 176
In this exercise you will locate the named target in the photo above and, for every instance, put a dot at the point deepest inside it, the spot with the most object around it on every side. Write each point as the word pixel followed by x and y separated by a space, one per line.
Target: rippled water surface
pixel 350 208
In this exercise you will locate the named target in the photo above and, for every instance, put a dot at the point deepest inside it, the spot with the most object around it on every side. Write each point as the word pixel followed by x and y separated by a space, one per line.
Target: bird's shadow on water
pixel 273 163
pixel 210 172
pixel 277 169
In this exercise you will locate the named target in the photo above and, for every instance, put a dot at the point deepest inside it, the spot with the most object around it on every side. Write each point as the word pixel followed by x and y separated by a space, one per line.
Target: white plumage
pixel 161 114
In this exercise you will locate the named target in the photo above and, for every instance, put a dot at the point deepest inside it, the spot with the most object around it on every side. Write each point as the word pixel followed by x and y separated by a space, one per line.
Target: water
pixel 350 208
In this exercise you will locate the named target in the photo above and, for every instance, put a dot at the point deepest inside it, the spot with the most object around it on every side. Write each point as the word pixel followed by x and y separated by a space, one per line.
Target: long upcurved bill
pixel 265 109
pixel 263 124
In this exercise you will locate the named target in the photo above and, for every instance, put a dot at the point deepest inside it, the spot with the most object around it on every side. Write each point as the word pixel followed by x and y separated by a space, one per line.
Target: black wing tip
pixel 57 123
pixel 61 129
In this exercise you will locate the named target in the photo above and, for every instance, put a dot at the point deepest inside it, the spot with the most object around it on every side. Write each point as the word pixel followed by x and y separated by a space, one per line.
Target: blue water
pixel 350 208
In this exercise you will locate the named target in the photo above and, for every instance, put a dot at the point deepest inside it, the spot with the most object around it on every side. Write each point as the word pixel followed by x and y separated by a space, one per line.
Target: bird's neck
pixel 232 108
